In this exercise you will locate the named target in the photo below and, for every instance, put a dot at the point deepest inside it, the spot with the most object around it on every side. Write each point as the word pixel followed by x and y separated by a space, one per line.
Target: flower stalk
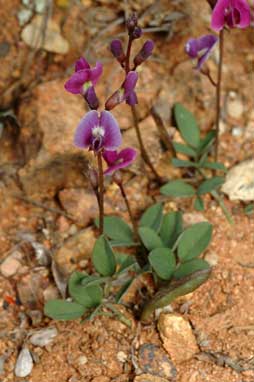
pixel 218 95
pixel 101 192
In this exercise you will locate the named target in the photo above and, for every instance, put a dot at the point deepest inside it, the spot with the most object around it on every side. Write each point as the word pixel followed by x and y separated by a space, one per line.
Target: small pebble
pixel 82 360
pixel 43 337
pixel 121 356
pixel 24 364
pixel 237 131
pixel 9 267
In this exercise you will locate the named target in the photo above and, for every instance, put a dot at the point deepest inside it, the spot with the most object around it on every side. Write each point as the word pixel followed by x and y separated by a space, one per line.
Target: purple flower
pixel 233 13
pixel 84 77
pixel 123 94
pixel 116 48
pixel 144 53
pixel 201 48
pixel 116 160
pixel 97 131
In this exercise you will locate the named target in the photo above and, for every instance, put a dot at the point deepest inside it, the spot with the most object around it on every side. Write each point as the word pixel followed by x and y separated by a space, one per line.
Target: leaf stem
pixel 101 193
pixel 218 95
pixel 219 200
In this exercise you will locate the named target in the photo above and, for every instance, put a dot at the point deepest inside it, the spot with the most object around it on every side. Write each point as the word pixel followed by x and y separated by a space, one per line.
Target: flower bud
pixel 137 33
pixel 114 100
pixel 132 22
pixel 91 98
pixel 117 51
pixel 132 99
pixel 144 53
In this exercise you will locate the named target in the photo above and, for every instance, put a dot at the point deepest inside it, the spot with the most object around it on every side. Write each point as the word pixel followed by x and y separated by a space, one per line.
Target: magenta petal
pixel 95 73
pixel 112 138
pixel 243 10
pixel 110 157
pixel 123 159
pixel 83 134
pixel 206 43
pixel 132 99
pixel 130 83
pixel 218 15
pixel 201 48
pixel 75 83
pixel 81 64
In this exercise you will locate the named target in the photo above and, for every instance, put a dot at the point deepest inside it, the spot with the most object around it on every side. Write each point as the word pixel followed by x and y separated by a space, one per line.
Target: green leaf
pixel 150 238
pixel 194 241
pixel 163 262
pixel 175 289
pixel 214 166
pixel 187 125
pixel 63 310
pixel 199 204
pixel 88 296
pixel 210 185
pixel 248 210
pixel 183 163
pixel 152 217
pixel 190 267
pixel 178 188
pixel 121 292
pixel 206 142
pixel 171 228
pixel 184 149
pixel 125 261
pixel 103 257
pixel 117 229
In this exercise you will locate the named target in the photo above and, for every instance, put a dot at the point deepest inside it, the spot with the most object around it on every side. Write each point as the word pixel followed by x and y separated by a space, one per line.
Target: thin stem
pixel 101 193
pixel 133 222
pixel 208 75
pixel 219 200
pixel 141 144
pixel 128 53
pixel 218 96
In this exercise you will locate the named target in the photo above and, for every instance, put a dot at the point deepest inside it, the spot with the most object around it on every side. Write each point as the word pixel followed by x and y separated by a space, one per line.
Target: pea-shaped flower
pixel 233 13
pixel 98 131
pixel 200 48
pixel 84 77
pixel 117 160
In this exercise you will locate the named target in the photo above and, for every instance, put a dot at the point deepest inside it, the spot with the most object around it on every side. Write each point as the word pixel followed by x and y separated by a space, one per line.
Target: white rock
pixel 24 16
pixel 237 131
pixel 24 364
pixel 43 337
pixel 82 360
pixel 121 356
pixel 53 42
pixel 9 266
pixel 177 337
pixel 235 107
pixel 239 183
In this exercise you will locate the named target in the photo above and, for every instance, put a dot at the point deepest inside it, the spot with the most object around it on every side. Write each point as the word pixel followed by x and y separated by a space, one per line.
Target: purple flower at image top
pixel 98 131
pixel 200 48
pixel 233 13
pixel 84 77
pixel 125 93
pixel 117 160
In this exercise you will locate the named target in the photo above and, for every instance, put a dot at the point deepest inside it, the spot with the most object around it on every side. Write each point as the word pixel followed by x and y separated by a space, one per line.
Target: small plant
pixel 168 251
pixel 200 168
pixel 158 246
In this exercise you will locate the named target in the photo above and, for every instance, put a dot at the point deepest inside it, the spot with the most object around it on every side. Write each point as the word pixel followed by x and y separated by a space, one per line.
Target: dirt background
pixel 47 207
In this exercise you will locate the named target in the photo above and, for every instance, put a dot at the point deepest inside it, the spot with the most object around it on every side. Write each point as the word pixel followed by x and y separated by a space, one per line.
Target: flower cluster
pixel 226 13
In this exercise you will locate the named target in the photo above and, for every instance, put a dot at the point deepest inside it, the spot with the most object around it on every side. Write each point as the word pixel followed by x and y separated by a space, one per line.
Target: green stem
pixel 218 96
pixel 101 193
pixel 219 200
